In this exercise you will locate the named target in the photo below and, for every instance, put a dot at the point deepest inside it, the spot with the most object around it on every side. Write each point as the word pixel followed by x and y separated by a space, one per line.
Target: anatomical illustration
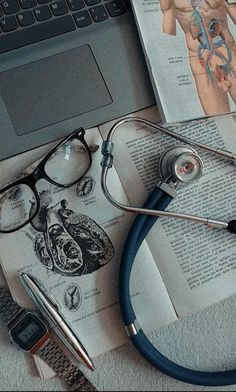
pixel 85 186
pixel 72 297
pixel 211 47
pixel 69 243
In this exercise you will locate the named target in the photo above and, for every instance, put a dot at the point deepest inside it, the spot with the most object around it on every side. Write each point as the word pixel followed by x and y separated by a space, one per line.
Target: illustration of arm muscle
pixel 168 21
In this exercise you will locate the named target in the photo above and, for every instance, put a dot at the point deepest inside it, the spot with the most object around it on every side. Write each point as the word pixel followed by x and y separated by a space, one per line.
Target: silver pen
pixel 50 311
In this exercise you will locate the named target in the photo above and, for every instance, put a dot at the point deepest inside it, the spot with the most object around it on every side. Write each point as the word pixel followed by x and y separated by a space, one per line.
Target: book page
pixel 189 46
pixel 10 168
pixel 197 264
pixel 74 250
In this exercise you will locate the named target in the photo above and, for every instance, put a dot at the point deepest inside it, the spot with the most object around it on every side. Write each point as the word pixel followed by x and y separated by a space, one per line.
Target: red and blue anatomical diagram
pixel 213 51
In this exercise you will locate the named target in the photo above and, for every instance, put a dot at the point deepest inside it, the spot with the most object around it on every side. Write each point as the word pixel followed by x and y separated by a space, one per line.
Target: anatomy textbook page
pixel 190 50
pixel 74 248
pixel 197 264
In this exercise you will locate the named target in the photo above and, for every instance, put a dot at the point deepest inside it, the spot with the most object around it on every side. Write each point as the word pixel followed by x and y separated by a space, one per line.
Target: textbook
pixel 190 50
pixel 73 248
pixel 181 268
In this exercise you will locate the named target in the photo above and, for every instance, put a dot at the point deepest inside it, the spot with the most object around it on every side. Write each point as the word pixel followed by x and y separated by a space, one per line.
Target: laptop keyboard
pixel 24 22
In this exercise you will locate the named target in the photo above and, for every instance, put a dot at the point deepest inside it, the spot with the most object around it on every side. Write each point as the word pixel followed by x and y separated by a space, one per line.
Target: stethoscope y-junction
pixel 179 165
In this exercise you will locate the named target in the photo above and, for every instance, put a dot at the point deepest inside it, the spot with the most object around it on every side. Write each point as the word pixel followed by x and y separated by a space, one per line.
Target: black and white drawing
pixel 72 298
pixel 85 186
pixel 69 243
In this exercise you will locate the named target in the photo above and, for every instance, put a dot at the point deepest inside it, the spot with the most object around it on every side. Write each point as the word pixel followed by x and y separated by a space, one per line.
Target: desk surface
pixel 203 341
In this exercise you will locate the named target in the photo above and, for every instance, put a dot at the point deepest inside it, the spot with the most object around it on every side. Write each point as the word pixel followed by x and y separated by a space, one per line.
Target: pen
pixel 50 311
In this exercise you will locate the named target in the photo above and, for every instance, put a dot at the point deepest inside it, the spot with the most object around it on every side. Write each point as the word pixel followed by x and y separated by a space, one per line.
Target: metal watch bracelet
pixel 50 352
pixel 63 367
pixel 9 309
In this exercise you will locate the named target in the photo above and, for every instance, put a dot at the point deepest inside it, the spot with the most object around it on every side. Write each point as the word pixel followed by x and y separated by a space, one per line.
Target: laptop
pixel 66 64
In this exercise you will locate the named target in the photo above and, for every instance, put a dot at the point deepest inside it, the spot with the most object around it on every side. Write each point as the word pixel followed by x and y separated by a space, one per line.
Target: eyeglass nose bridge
pixel 37 175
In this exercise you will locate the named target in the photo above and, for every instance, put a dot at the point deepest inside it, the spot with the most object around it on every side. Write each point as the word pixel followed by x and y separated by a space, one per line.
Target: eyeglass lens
pixel 17 206
pixel 68 163
pixel 65 166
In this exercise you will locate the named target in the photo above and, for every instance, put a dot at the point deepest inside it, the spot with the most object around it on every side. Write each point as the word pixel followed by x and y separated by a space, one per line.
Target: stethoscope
pixel 179 165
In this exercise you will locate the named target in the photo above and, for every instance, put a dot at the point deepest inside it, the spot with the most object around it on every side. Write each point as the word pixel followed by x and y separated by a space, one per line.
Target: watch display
pixel 28 331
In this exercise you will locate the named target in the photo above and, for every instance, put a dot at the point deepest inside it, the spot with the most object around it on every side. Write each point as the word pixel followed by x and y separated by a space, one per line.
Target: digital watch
pixel 30 333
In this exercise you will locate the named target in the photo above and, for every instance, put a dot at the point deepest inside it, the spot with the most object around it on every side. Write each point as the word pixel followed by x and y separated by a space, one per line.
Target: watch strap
pixel 9 309
pixel 51 353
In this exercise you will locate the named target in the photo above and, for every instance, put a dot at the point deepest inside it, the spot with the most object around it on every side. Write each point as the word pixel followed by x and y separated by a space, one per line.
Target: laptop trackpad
pixel 53 89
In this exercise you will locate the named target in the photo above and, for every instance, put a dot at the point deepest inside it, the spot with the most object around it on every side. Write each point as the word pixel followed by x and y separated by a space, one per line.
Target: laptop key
pixel 82 18
pixel 59 8
pixel 98 13
pixel 75 5
pixel 27 3
pixel 25 18
pixel 36 33
pixel 115 8
pixel 10 7
pixel 8 24
pixel 42 13
pixel 92 2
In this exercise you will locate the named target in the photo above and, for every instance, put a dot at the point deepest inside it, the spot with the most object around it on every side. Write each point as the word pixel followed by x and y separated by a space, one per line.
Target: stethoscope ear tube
pixel 139 230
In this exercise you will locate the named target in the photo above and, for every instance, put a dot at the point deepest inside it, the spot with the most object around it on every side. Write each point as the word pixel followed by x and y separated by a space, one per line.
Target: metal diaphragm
pixel 181 164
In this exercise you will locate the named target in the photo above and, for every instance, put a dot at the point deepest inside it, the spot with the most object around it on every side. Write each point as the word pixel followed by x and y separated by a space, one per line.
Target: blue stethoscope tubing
pixel 141 226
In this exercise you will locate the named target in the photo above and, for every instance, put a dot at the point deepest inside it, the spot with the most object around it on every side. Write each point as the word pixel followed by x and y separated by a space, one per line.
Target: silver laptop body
pixel 83 77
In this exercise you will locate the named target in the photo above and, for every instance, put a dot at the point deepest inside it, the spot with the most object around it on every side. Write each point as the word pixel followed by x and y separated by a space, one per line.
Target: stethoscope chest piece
pixel 181 164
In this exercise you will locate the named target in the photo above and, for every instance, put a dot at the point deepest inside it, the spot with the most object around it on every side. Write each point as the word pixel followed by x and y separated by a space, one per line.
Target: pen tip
pixel 91 366
pixel 88 362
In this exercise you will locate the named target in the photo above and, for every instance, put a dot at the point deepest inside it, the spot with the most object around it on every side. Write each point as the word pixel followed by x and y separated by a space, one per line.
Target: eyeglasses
pixel 63 166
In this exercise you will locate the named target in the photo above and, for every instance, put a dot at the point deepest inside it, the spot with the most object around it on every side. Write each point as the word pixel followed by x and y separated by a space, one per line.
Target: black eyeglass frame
pixel 39 173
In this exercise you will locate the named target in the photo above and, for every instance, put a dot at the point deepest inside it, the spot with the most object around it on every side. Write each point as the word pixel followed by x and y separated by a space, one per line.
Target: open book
pixel 181 268
pixel 190 51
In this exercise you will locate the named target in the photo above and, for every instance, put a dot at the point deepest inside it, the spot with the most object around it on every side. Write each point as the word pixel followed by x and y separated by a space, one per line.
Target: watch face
pixel 28 331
